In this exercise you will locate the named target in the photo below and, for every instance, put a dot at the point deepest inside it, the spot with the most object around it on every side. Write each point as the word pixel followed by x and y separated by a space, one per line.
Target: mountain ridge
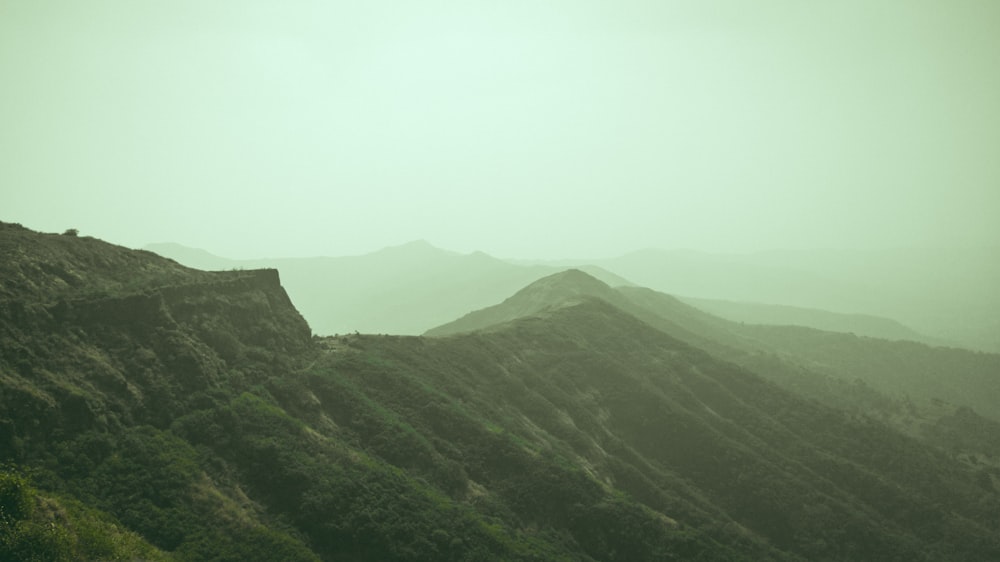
pixel 404 289
pixel 945 294
pixel 366 292
pixel 197 411
pixel 786 315
pixel 836 358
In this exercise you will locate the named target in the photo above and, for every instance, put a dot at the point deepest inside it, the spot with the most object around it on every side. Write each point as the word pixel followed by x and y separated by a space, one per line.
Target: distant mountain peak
pixel 558 289
pixel 419 243
pixel 418 248
pixel 569 282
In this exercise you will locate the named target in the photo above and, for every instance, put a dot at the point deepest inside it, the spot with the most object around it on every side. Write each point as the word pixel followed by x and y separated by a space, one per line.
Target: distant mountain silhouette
pixel 191 257
pixel 784 315
pixel 948 294
pixel 414 287
pixel 403 289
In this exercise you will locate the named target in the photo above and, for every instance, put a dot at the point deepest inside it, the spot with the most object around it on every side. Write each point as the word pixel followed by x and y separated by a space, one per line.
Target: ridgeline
pixel 152 411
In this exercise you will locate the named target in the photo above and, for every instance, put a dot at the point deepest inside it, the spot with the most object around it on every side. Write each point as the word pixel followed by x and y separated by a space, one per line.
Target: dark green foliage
pixel 35 542
pixel 243 544
pixel 195 410
pixel 899 368
pixel 34 527
pixel 146 481
pixel 17 501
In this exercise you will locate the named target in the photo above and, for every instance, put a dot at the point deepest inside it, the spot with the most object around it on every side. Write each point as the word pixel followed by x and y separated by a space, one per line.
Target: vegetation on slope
pixel 192 416
pixel 45 528
pixel 843 370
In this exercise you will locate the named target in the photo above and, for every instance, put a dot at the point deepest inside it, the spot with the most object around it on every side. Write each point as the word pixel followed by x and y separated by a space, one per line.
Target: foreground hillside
pixel 176 414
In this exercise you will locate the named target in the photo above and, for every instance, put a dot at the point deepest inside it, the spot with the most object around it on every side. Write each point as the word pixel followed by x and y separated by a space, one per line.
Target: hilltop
pixel 554 290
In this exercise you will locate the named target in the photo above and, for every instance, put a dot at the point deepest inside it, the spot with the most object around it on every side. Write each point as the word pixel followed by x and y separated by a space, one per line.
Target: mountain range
pixel 947 294
pixel 805 359
pixel 153 411
pixel 411 288
pixel 785 315
pixel 403 290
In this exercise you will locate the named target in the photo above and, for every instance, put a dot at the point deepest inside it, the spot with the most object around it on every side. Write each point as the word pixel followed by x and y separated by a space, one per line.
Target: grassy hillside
pixel 686 434
pixel 192 416
pixel 810 360
pixel 895 380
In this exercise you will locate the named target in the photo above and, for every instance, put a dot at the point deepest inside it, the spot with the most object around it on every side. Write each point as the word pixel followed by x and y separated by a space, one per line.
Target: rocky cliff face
pixel 108 349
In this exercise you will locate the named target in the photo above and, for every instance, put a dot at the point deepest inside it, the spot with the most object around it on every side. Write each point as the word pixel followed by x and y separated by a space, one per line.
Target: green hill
pixel 188 415
pixel 861 374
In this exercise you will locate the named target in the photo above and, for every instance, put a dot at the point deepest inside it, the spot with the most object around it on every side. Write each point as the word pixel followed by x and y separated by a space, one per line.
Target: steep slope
pixel 822 365
pixel 101 349
pixel 196 413
pixel 694 438
pixel 39 526
pixel 807 359
pixel 405 289
pixel 896 368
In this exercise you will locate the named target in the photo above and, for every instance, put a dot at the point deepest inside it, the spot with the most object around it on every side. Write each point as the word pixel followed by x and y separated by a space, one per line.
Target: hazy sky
pixel 520 128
